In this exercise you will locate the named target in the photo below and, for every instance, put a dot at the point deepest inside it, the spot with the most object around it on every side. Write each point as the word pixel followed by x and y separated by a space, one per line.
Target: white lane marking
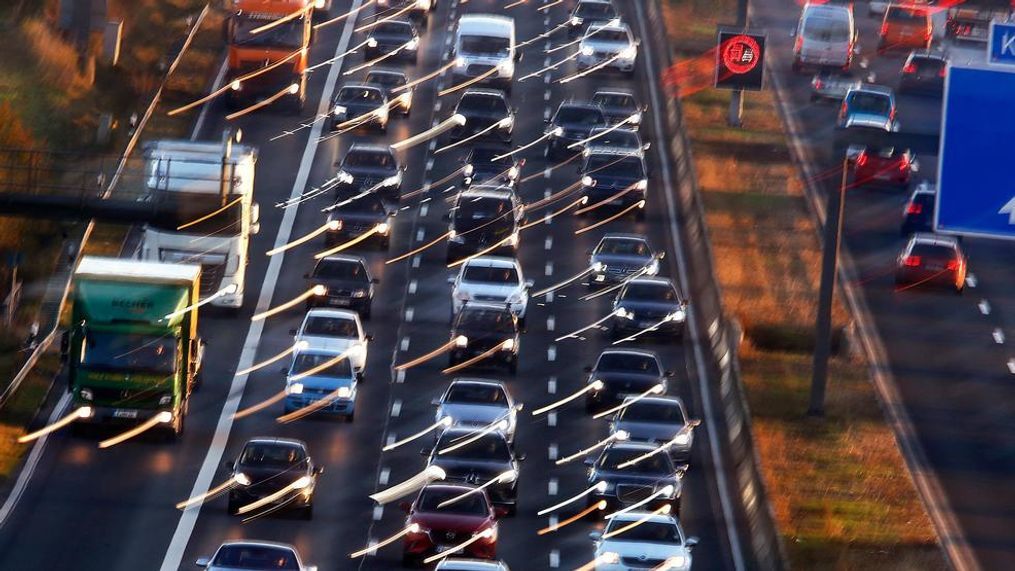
pixel 371 545
pixel 546 113
pixel 434 123
pixel 998 336
pixel 424 209
pixel 548 220
pixel 203 115
pixel 416 260
pixel 396 408
pixel 405 343
pixel 409 314
pixel 548 243
pixel 392 438
pixel 547 193
pixel 1011 366
pixel 549 297
pixel 551 451
pixel 551 419
pixel 429 165
pixel 547 173
pixel 551 386
pixel 420 234
pixel 546 95
pixel 554 558
pixel 384 476
pixel 546 78
pixel 551 353
pixel 548 269
pixel 553 520
pixel 378 513
pixel 970 280
pixel 984 306
pixel 551 323
pixel 699 358
pixel 437 106
pixel 213 458
pixel 432 145
pixel 400 376
pixel 413 284
pixel 552 487
pixel 546 61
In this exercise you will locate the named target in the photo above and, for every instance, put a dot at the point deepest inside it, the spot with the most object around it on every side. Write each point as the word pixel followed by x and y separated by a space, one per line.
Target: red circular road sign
pixel 741 54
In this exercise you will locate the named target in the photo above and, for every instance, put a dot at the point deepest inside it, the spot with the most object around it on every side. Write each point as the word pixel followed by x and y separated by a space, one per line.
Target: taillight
pixel 909 68
pixel 914 208
pixel 941 73
pixel 884 28
pixel 953 265
pixel 818 84
pixel 798 44
pixel 861 159
pixel 904 163
pixel 911 261
pixel 842 110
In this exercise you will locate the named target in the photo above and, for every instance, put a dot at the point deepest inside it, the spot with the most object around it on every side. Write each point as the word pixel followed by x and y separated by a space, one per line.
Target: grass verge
pixel 840 490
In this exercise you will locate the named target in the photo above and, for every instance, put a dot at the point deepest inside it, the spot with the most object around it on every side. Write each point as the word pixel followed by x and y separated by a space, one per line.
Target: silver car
pixel 244 555
pixel 477 403
pixel 460 564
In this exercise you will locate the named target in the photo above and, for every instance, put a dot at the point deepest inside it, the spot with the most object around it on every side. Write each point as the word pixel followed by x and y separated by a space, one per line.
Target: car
pixel 825 36
pixel 495 279
pixel 614 140
pixel 621 372
pixel 931 259
pixel 924 73
pixel 833 84
pixel 619 104
pixel 436 526
pixel 657 420
pixel 390 36
pixel 882 166
pixel 589 12
pixel 479 328
pixel 482 109
pixel 359 104
pixel 393 82
pixel 476 403
pixel 614 180
pixel 617 256
pixel 484 220
pixel 267 465
pixel 918 214
pixel 351 219
pixel 484 50
pixel 417 11
pixel 318 376
pixel 491 165
pixel 366 166
pixel 905 25
pixel 346 281
pixel 341 326
pixel 643 540
pixel 477 457
pixel 462 564
pixel 628 484
pixel 250 555
pixel 572 123
pixel 649 304
pixel 869 106
pixel 612 42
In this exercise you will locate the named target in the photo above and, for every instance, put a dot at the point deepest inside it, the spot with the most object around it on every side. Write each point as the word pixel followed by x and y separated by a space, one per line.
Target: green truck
pixel 132 349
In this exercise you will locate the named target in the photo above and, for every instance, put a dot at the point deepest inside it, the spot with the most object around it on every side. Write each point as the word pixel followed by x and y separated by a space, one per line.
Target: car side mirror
pixel 368 337
pixel 694 422
pixel 646 146
pixel 668 373
pixel 203 561
pixel 547 121
pixel 375 281
pixel 682 469
pixel 690 542
pixel 589 462
pixel 661 255
pixel 530 283
pixel 521 456
pixel 318 470
pixel 228 465
pixel 500 511
pixel 518 55
pixel 436 402
pixel 595 535
pixel 405 506
pixel 519 407
pixel 292 332
pixel 587 368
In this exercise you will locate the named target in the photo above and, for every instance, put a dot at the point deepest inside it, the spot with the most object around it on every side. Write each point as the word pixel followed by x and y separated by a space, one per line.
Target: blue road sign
pixel 1002 43
pixel 976 173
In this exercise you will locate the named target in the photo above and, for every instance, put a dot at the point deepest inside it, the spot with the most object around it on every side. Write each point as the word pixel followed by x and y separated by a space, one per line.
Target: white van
pixel 825 37
pixel 484 42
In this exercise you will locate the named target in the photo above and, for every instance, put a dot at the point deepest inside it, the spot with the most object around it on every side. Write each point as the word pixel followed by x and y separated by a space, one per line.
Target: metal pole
pixel 823 328
pixel 735 118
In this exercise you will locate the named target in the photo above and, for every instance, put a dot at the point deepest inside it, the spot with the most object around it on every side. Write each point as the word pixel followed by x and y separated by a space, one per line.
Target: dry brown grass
pixel 56 60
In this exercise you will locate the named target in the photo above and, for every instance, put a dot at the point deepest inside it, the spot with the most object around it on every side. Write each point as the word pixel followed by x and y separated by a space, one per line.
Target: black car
pixel 369 167
pixel 268 465
pixel 347 284
pixel 623 372
pixel 484 219
pixel 924 73
pixel 418 12
pixel 480 327
pixel 589 12
pixel 489 457
pixel 573 122
pixel 614 180
pixel 612 139
pixel 359 105
pixel 482 109
pixel 391 80
pixel 617 256
pixel 390 36
pixel 482 168
pixel 630 484
pixel 918 215
pixel 649 304
pixel 357 217
pixel 619 104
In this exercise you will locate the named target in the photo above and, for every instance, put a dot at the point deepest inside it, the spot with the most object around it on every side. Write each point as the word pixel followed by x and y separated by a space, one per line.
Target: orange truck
pixel 268 51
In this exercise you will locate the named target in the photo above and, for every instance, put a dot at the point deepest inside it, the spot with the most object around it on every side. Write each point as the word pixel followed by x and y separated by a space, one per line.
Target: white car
pixel 611 42
pixel 658 542
pixel 245 555
pixel 340 328
pixel 494 279
pixel 478 403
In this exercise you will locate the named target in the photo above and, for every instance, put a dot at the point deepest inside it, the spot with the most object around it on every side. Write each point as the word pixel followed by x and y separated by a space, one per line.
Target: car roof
pixel 369 147
pixel 934 239
pixel 635 446
pixel 928 55
pixel 481 23
pixel 655 400
pixel 400 23
pixel 257 542
pixel 646 516
pixel 477 381
pixel 333 313
pixel 345 258
pixel 653 280
pixel 277 440
pixel 826 10
pixel 492 262
pixel 639 352
pixel 578 104
pixel 623 236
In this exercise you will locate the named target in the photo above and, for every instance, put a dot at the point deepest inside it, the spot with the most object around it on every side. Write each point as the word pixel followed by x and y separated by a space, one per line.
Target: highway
pixel 114 509
pixel 951 373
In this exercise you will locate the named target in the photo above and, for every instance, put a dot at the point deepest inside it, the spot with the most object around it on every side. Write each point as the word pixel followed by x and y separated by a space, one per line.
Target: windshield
pixel 621 100
pixel 396 29
pixel 341 270
pixel 359 95
pixel 330 326
pixel 647 411
pixel 650 292
pixel 287 35
pixel 490 46
pixel 120 351
pixel 653 531
pixel 875 103
pixel 255 557
pixel 465 393
pixel 483 104
pixel 472 504
pixel 490 447
pixel 486 320
pixel 386 79
pixel 657 464
pixel 589 116
pixel 372 159
pixel 487 274
pixel 612 36
pixel 628 362
pixel 611 165
pixel 624 247
pixel 305 362
pixel 825 30
pixel 595 11
pixel 271 454
pixel 906 15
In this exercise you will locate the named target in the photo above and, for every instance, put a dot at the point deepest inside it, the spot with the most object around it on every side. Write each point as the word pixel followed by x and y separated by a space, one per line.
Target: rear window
pixel 379 159
pixel 507 276
pixel 933 252
pixel 927 63
pixel 902 15
pixel 654 412
pixel 340 270
pixel 482 208
pixel 486 320
pixel 618 138
pixel 659 464
pixel 620 100
pixel 825 30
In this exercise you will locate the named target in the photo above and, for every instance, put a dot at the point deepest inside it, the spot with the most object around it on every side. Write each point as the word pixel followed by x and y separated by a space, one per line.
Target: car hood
pixel 622 260
pixel 472 413
pixel 471 470
pixel 636 549
pixel 649 308
pixel 449 522
pixel 869 120
pixel 604 46
pixel 650 430
pixel 625 382
pixel 614 181
pixel 657 481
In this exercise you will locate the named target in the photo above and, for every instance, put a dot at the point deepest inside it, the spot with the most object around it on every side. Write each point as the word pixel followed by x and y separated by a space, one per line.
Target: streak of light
pixel 482 252
pixel 653 390
pixel 210 215
pixel 79 413
pixel 592 69
pixel 418 250
pixel 424 78
pixel 485 534
pixel 546 7
pixel 291 90
pixel 332 225
pixel 430 474
pixel 237 81
pixel 618 436
pixel 302 126
pixel 553 197
pixel 595 385
pixel 544 35
pixel 465 84
pixel 597 487
pixel 640 332
pixel 594 324
pixel 442 423
pixel 606 131
pixel 312 193
pixel 352 198
pixel 608 558
pixel 551 66
pixel 298 346
pixel 163 417
pixel 639 204
pixel 506 345
pixel 347 52
pixel 340 392
pixel 337 19
pixel 378 228
pixel 607 200
pixel 564 46
pixel 671 563
pixel 503 123
pixel 228 290
pixel 355 122
pixel 662 510
pixel 664 491
pixel 556 131
pixel 552 168
pixel 550 216
pixel 377 60
pixel 499 424
pixel 502 478
pixel 443 348
pixel 598 506
pixel 661 448
pixel 210 494
pixel 270 510
pixel 561 284
pixel 515 3
pixel 641 271
pixel 440 182
pixel 299 484
pixel 287 18
pixel 456 120
pixel 388 18
pixel 411 528
pixel 316 290
pixel 277 397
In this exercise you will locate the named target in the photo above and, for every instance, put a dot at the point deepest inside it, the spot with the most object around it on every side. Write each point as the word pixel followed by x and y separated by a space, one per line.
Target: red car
pixel 889 166
pixel 440 529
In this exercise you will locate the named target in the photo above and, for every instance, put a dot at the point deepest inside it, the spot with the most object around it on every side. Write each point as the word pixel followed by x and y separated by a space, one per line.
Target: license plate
pixel 124 413
pixel 935 267
pixel 616 202
pixel 443 548
pixel 341 302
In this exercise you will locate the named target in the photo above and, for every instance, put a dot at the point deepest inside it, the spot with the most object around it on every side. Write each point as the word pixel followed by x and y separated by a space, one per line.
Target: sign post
pixel 739 66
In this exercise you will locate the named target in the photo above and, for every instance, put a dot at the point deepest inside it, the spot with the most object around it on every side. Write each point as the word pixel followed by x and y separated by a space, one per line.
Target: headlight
pixel 676 562
pixel 394 180
pixel 624 313
pixel 513 173
pixel 629 52
pixel 294 389
pixel 344 177
pixel 512 239
pixel 461 341
pixel 241 479
pixel 319 4
pixel 588 181
pixel 383 228
pixel 344 392
pixel 236 85
pixel 587 50
pixel 682 439
pixel 468 170
pixel 319 290
pixel 506 67
pixel 360 293
pixel 341 110
pixel 423 4
pixel 576 21
pixel 165 400
pixel 86 394
pixel 405 99
pixel 678 316
pixel 454 237
pixel 508 345
pixel 460 63
pixel 371 42
pixel 335 225
pixel 302 482
pixel 382 113
pixel 412 44
pixel 642 184
pixel 635 119
pixel 506 123
pixel 653 268
pixel 490 534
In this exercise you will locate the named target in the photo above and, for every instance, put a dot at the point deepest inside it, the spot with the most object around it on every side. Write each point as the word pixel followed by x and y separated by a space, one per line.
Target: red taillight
pixel 798 44
pixel 909 68
pixel 912 261
pixel 953 265
pixel 818 84
pixel 884 29
pixel 861 159
pixel 914 208
pixel 904 163
pixel 941 73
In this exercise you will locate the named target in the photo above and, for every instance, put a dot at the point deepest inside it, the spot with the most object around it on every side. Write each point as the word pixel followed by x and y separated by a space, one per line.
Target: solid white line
pixel 188 519
pixel 699 359
pixel 203 115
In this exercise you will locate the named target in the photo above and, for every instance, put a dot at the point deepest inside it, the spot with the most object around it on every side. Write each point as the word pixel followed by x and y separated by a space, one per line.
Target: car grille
pixel 488 298
pixel 620 270
pixel 356 228
pixel 632 493
pixel 339 293
pixel 142 398
pixel 448 537
pixel 477 69
pixel 639 563
pixel 211 278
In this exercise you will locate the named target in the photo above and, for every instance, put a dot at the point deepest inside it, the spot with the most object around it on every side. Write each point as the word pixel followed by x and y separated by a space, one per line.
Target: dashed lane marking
pixel 396 408
pixel 551 386
pixel 385 475
pixel 554 558
pixel 998 336
pixel 405 343
pixel 409 314
pixel 413 284
pixel 552 487
pixel 551 353
pixel 551 450
pixel 551 323
pixel 378 513
pixel 984 306
pixel 551 419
